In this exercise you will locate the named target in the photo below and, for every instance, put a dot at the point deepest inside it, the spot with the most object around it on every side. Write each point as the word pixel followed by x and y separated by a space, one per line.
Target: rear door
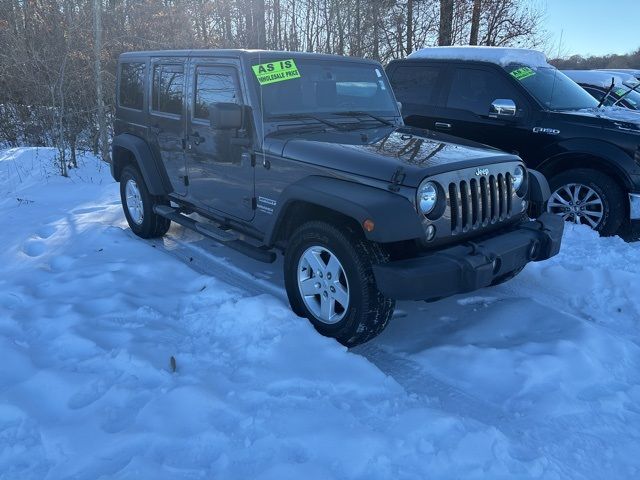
pixel 419 87
pixel 167 118
pixel 221 175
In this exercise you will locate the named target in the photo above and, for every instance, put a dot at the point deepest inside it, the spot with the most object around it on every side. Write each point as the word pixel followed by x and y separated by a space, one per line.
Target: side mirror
pixel 503 108
pixel 226 116
pixel 399 106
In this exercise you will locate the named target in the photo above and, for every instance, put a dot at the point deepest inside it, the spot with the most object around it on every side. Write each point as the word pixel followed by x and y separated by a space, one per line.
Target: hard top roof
pixel 599 78
pixel 498 55
pixel 236 53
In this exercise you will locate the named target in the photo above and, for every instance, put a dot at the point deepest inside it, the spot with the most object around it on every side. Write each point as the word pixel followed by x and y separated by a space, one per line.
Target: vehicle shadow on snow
pixel 489 320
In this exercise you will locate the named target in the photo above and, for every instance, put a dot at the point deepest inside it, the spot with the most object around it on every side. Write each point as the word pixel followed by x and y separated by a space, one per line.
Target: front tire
pixel 329 280
pixel 138 204
pixel 589 197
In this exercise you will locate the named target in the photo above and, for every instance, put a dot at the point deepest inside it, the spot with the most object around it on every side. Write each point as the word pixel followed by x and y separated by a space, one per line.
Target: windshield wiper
pixel 634 89
pixel 606 95
pixel 307 116
pixel 358 113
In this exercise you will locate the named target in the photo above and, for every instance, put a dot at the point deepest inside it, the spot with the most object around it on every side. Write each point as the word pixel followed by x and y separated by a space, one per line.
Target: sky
pixel 593 27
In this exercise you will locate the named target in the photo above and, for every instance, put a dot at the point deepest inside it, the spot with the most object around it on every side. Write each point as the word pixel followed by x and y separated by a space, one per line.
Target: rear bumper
pixel 473 265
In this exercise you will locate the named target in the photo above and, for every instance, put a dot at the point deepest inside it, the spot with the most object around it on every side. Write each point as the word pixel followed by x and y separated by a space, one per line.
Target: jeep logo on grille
pixel 482 171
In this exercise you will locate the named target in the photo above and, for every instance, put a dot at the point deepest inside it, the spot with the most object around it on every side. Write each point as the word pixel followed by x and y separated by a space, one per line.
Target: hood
pixel 380 153
pixel 609 115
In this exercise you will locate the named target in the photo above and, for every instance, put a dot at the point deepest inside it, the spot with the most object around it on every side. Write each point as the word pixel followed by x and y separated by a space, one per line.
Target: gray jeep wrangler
pixel 307 155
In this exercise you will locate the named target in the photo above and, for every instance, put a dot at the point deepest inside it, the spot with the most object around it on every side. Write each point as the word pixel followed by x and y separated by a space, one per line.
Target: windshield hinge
pixel 396 179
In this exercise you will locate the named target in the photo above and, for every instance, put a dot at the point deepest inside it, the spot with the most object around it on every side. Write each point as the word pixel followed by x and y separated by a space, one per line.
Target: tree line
pixel 578 62
pixel 58 57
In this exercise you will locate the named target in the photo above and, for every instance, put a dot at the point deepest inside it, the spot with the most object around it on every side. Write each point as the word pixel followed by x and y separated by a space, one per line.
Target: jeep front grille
pixel 478 202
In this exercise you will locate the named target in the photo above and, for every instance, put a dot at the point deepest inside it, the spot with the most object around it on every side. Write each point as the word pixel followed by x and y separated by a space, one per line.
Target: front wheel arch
pixel 559 164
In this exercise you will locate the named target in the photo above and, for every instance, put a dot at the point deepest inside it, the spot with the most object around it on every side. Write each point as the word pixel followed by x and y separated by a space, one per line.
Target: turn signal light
pixel 368 225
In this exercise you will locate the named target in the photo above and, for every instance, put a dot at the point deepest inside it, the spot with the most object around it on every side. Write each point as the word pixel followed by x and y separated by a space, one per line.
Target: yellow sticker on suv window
pixel 278 71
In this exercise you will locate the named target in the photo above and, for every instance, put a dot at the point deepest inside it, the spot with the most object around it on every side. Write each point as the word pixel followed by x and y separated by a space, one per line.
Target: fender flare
pixel 152 173
pixel 394 216
pixel 619 163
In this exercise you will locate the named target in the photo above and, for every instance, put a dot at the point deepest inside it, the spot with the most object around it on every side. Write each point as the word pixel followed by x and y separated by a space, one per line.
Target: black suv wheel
pixel 329 280
pixel 138 204
pixel 588 197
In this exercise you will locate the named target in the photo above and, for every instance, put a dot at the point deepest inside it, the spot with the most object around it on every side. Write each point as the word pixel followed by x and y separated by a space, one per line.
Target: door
pixel 468 103
pixel 166 119
pixel 221 176
pixel 419 88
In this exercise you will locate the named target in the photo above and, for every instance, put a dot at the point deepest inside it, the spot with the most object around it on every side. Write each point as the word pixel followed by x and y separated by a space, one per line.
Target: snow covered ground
pixel 537 378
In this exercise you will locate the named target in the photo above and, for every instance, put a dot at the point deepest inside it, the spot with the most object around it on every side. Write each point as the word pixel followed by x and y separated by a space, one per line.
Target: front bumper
pixel 472 265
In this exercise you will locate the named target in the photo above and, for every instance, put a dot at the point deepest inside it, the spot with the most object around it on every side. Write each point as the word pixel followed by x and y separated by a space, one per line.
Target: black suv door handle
pixel 196 138
pixel 443 126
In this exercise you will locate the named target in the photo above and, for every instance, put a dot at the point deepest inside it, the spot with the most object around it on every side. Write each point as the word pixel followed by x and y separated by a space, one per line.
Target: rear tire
pixel 600 199
pixel 337 264
pixel 138 204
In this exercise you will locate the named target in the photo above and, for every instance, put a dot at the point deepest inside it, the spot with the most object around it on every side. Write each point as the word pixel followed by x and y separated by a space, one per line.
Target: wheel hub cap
pixel 134 202
pixel 577 203
pixel 323 284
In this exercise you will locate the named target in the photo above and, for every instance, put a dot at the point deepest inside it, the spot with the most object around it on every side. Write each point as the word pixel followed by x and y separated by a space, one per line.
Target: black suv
pixel 514 100
pixel 307 155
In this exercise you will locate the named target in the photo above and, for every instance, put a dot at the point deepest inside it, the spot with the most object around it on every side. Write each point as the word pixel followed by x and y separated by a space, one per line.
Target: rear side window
pixel 132 85
pixel 167 90
pixel 475 90
pixel 213 85
pixel 415 83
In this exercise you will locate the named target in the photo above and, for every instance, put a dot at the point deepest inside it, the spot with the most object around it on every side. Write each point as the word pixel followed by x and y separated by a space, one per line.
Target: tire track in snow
pixel 531 437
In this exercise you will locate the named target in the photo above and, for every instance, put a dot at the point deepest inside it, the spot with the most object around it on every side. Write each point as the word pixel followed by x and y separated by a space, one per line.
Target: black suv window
pixel 168 85
pixel 132 85
pixel 415 83
pixel 475 90
pixel 213 85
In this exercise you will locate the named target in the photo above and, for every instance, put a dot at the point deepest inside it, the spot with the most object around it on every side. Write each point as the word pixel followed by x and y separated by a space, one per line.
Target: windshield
pixel 317 87
pixel 552 88
pixel 632 98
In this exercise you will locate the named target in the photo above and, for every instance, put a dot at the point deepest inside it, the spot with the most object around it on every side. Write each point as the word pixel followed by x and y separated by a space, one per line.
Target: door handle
pixel 443 126
pixel 196 138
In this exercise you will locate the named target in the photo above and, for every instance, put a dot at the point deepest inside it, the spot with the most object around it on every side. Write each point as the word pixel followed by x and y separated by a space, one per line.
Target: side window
pixel 415 84
pixel 131 85
pixel 167 90
pixel 475 90
pixel 213 85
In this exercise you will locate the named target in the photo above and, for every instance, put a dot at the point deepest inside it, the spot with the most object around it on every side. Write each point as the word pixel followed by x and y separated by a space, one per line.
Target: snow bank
pixel 538 378
pixel 499 55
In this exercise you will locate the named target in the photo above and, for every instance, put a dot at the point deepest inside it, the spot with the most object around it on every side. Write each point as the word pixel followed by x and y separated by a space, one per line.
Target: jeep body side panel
pixel 126 146
pixel 394 216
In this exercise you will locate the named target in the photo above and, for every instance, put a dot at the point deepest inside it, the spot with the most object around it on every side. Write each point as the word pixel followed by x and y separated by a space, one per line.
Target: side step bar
pixel 225 237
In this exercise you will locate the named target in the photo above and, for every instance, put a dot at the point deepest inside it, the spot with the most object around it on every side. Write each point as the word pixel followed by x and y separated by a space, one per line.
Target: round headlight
pixel 517 178
pixel 427 197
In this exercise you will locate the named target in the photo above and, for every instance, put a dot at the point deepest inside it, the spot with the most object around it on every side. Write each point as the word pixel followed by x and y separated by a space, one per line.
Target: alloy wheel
pixel 323 284
pixel 577 203
pixel 134 202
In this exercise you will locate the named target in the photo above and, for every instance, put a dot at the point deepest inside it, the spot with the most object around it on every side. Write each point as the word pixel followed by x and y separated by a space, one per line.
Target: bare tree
pixel 475 22
pixel 446 22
